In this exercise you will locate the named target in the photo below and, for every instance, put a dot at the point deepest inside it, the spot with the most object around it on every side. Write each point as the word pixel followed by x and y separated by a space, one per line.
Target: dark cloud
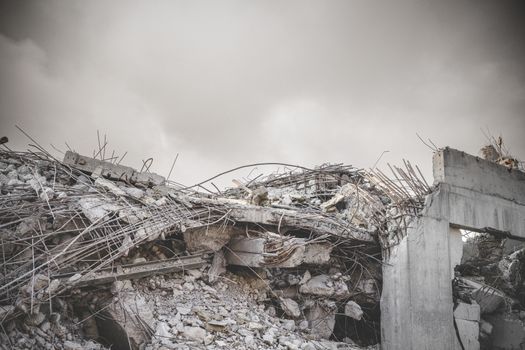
pixel 231 82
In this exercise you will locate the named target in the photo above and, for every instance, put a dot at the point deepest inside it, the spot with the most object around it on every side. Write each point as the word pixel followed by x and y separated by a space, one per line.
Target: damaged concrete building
pixel 96 255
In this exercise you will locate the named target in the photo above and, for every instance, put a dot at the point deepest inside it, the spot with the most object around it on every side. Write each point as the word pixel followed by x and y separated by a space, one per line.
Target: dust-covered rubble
pixel 98 255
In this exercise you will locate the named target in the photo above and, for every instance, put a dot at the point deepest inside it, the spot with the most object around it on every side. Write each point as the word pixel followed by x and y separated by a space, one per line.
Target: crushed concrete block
pixel 306 277
pixel 130 315
pixel 163 331
pixel 320 285
pixel 290 307
pixel 317 254
pixel 218 266
pixel 96 209
pixel 286 251
pixel 110 186
pixel 194 333
pixel 209 238
pixel 321 319
pixel 469 334
pixel 469 312
pixel 353 310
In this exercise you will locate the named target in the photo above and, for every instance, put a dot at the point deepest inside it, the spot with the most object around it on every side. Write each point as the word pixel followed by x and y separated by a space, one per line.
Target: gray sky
pixel 225 83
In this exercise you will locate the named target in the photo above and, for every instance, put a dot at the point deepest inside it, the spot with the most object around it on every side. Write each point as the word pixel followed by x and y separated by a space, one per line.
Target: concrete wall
pixel 416 304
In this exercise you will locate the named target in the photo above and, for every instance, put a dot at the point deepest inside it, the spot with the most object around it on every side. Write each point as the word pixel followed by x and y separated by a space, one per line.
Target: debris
pixel 353 310
pixel 290 307
pixel 95 248
pixel 469 312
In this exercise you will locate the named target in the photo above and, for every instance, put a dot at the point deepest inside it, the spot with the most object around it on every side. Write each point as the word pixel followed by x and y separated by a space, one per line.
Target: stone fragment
pixel 218 266
pixel 209 238
pixel 321 318
pixel 320 285
pixel 469 312
pixel 290 307
pixel 353 310
pixel 306 277
pixel 469 333
pixel 194 333
pixel 163 331
pixel 110 186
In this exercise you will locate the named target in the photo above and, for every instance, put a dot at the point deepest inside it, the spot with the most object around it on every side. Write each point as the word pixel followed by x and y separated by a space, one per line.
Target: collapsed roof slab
pixel 416 303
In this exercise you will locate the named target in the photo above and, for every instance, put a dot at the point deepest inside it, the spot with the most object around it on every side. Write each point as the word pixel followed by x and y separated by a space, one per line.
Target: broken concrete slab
pixel 112 171
pixel 312 222
pixel 290 307
pixel 209 238
pixel 468 333
pixel 321 318
pixel 134 271
pixel 218 266
pixel 130 315
pixel 469 312
pixel 321 285
pixel 273 250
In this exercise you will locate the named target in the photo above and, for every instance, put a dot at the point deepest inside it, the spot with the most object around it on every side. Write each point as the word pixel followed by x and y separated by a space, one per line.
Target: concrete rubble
pixel 490 294
pixel 97 255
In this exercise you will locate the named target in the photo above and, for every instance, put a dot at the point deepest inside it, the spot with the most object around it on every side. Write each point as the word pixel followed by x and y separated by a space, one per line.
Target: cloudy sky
pixel 225 83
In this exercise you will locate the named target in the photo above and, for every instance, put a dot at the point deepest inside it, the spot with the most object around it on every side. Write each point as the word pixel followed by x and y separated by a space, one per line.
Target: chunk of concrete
pixel 218 266
pixel 353 310
pixel 317 254
pixel 320 285
pixel 95 209
pixel 321 319
pixel 469 334
pixel 290 307
pixel 130 316
pixel 469 312
pixel 194 333
pixel 209 238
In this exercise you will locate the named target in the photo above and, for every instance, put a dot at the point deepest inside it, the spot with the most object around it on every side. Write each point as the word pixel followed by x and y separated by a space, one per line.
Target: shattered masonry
pixel 97 255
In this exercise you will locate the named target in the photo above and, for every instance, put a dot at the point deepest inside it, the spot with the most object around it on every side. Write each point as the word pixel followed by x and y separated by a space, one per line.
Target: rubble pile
pixel 489 291
pixel 98 255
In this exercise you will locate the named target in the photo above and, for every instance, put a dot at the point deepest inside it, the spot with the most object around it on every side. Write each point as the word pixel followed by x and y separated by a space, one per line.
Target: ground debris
pixel 98 255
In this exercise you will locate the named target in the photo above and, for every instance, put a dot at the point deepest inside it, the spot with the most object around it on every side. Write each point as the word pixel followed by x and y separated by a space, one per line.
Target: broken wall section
pixel 417 304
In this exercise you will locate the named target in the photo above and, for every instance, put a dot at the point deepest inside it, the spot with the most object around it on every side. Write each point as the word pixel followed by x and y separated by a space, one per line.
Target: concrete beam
pixel 480 212
pixel 416 303
pixel 460 169
pixel 135 271
pixel 111 171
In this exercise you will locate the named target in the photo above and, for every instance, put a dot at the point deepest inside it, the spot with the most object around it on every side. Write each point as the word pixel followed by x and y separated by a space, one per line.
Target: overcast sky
pixel 225 83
